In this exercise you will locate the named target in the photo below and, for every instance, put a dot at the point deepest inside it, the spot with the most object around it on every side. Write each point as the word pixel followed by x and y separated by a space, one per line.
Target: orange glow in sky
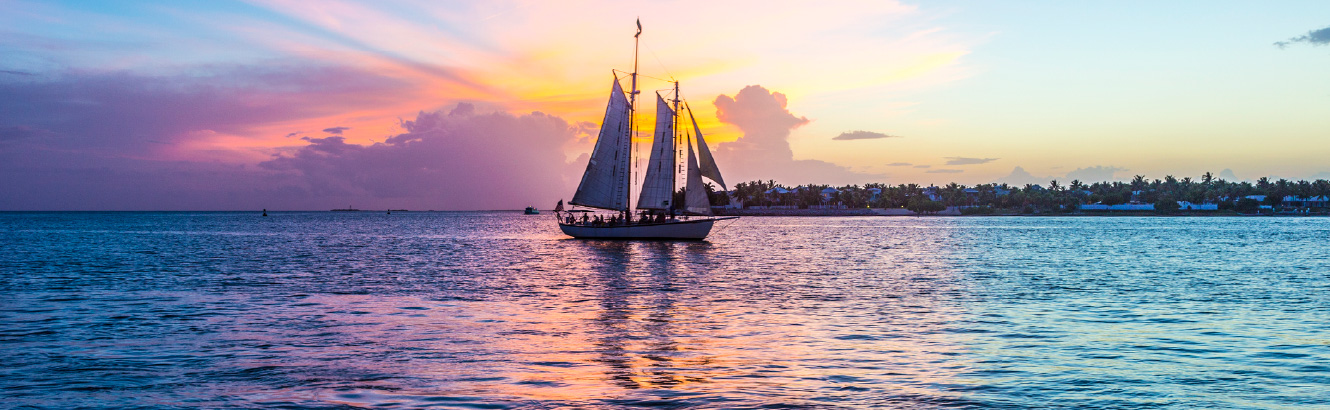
pixel 1132 88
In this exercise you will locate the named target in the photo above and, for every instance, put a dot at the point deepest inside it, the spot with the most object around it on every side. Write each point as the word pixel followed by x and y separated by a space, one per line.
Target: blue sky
pixel 964 91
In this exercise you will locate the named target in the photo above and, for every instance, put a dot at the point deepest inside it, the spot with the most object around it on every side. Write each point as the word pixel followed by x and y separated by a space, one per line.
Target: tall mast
pixel 674 158
pixel 637 39
pixel 632 115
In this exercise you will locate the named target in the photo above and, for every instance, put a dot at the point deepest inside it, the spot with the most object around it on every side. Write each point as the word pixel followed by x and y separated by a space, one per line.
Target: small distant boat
pixel 531 210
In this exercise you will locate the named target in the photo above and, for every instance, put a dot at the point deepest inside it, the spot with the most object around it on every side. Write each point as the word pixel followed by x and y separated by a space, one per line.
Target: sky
pixel 280 104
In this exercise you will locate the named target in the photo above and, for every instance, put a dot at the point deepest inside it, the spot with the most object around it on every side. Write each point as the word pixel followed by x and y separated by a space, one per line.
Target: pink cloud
pixel 99 141
pixel 763 152
pixel 121 113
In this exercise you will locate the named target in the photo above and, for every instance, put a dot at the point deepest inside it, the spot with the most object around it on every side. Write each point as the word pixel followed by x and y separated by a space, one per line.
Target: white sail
pixel 695 193
pixel 606 181
pixel 707 162
pixel 658 187
pixel 605 184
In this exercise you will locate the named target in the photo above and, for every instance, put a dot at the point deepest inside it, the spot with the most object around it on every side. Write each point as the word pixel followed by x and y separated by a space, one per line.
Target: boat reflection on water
pixel 670 328
pixel 639 341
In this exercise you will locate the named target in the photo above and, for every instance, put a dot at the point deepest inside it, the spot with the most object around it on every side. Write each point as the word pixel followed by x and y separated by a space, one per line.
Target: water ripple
pixel 498 310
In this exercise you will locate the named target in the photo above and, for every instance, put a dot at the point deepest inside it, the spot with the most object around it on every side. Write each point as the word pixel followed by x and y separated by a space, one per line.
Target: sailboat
pixel 606 184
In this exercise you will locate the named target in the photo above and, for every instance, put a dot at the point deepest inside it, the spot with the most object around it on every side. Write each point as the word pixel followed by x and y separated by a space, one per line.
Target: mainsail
pixel 658 187
pixel 605 184
pixel 708 164
pixel 695 194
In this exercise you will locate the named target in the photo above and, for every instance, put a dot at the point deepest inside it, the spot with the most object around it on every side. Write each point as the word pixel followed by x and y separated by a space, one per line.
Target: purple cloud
pixel 862 135
pixel 123 113
pixel 22 132
pixel 336 130
pixel 455 160
pixel 968 161
pixel 90 141
pixel 40 179
pixel 1019 176
pixel 1093 174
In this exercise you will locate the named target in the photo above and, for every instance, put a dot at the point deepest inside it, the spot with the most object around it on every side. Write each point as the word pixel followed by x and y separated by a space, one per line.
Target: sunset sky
pixel 492 105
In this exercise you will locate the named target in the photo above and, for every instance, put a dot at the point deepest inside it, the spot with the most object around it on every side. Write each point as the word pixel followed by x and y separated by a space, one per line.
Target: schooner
pixel 606 184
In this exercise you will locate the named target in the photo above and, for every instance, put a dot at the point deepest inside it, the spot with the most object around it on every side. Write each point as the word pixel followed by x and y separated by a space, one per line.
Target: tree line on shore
pixel 1030 198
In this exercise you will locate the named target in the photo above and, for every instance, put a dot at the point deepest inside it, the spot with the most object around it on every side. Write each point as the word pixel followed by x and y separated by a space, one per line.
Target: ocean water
pixel 499 310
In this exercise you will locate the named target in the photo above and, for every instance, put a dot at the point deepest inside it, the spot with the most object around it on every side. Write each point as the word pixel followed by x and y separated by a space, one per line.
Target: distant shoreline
pixel 740 212
pixel 904 212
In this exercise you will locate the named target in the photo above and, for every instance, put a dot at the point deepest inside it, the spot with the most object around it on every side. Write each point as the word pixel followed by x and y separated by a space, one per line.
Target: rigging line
pixel 662 65
pixel 732 221
pixel 643 75
pixel 655 78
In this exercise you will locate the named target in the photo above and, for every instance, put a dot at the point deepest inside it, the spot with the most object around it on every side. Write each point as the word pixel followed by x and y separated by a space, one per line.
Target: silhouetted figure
pixel 265 211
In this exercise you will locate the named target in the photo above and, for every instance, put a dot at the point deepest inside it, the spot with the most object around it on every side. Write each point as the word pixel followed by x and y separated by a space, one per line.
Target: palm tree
pixel 1322 189
pixel 950 194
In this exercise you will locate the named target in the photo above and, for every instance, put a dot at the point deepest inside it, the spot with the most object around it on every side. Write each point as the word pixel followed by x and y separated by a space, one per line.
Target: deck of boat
pixel 692 229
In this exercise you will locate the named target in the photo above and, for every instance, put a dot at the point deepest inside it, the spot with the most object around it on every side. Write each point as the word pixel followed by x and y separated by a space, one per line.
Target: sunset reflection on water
pixel 497 310
pixel 642 322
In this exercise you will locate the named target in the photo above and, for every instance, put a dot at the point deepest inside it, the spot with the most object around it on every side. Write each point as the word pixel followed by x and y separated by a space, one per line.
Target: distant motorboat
pixel 531 210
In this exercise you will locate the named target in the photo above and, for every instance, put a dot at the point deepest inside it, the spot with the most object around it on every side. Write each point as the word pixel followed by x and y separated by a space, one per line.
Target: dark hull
pixel 696 229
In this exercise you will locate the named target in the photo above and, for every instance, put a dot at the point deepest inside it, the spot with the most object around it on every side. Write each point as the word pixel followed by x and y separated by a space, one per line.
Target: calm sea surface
pixel 499 310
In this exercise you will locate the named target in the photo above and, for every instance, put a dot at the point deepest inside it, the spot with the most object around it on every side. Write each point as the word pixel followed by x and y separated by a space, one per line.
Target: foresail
pixel 695 193
pixel 708 164
pixel 658 187
pixel 605 183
